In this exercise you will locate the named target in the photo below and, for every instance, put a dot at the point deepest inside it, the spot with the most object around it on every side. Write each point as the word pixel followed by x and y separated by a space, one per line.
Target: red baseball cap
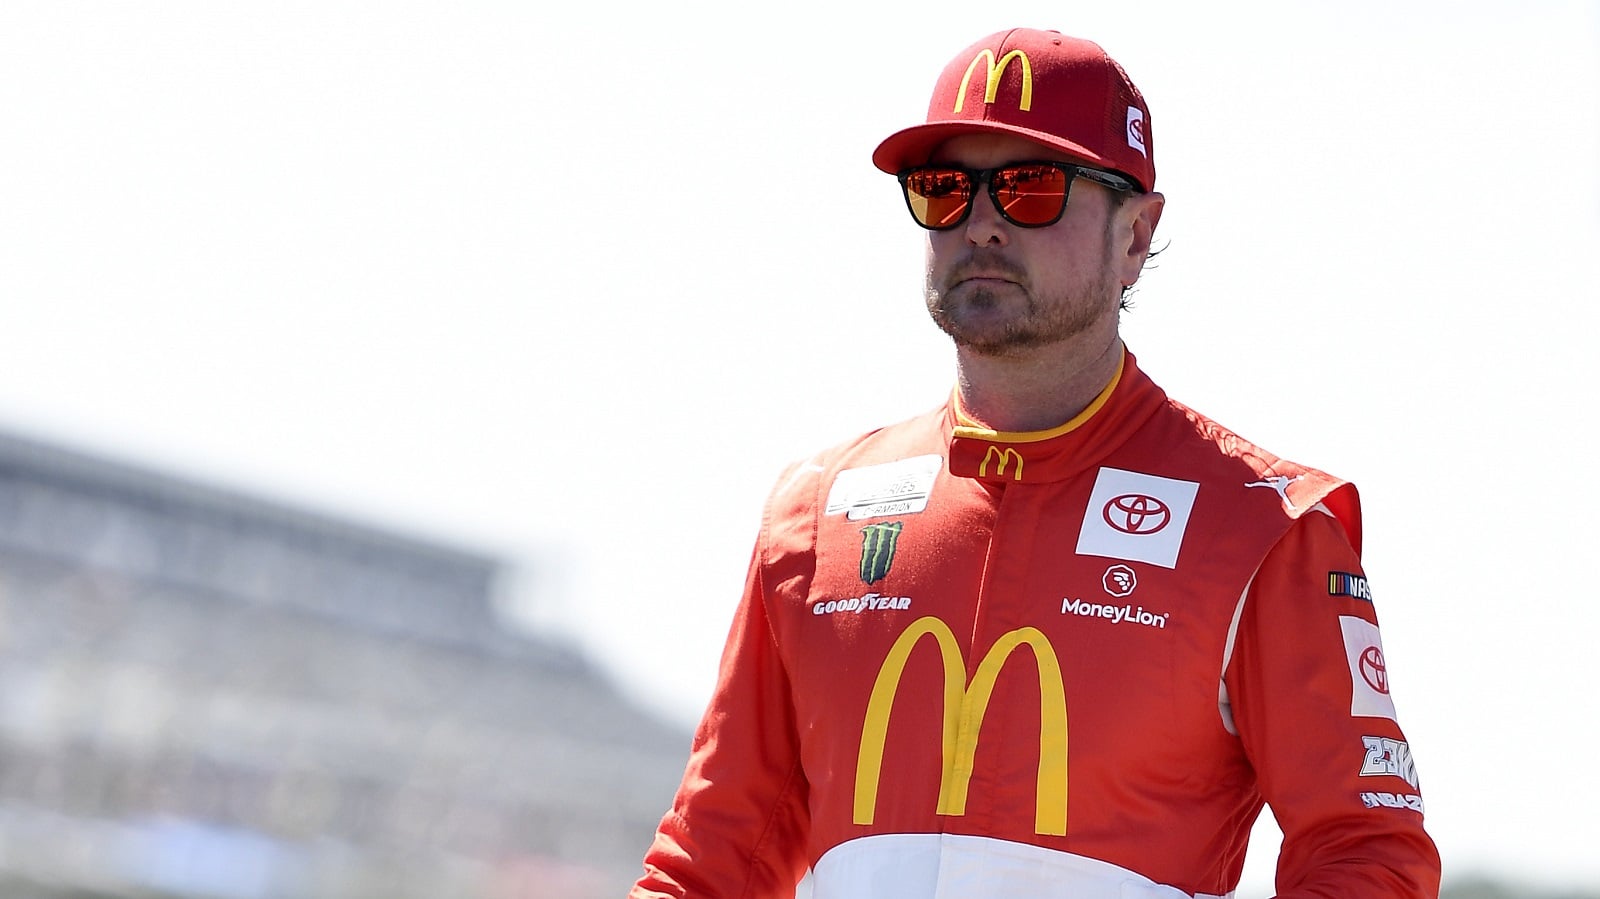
pixel 1063 92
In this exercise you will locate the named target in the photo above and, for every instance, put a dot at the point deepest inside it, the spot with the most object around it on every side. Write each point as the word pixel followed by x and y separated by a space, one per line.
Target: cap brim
pixel 912 146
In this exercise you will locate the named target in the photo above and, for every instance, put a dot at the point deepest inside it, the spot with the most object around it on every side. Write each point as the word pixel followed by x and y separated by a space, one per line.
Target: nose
pixel 984 226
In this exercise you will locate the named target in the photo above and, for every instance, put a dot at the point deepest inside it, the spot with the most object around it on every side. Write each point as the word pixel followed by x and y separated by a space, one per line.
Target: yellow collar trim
pixel 969 428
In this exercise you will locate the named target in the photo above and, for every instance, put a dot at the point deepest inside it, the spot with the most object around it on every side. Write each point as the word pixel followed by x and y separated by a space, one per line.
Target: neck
pixel 1044 389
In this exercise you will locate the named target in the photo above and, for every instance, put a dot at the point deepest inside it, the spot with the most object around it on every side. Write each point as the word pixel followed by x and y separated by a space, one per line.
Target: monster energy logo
pixel 877 549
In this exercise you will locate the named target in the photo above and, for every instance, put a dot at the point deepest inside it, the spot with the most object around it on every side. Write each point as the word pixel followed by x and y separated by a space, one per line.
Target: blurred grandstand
pixel 205 694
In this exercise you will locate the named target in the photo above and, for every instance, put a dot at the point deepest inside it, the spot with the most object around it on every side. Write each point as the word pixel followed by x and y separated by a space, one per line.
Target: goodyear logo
pixel 991 73
pixel 964 707
pixel 878 542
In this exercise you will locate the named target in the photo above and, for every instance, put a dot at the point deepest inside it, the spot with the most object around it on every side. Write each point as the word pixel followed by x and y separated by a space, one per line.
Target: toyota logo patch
pixel 1136 513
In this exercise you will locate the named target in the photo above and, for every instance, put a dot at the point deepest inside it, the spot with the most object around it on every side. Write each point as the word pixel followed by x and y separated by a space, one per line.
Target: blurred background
pixel 390 390
pixel 205 694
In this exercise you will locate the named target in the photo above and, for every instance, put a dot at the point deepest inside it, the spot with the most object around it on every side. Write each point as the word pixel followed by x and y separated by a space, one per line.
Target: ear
pixel 1137 219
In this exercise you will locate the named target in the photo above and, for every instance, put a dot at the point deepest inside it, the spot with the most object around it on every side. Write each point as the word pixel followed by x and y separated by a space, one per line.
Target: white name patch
pixel 901 487
pixel 1136 517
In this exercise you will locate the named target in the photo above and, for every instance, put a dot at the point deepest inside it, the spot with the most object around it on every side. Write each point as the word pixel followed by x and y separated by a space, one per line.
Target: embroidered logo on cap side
pixel 1136 130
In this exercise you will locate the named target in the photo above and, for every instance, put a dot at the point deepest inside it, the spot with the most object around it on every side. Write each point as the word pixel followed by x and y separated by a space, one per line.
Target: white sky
pixel 573 284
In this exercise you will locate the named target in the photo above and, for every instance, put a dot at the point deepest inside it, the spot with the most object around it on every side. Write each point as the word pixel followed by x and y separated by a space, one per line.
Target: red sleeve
pixel 1308 687
pixel 737 825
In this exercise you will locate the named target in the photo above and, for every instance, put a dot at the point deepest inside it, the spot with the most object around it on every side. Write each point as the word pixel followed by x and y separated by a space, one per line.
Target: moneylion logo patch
pixel 877 549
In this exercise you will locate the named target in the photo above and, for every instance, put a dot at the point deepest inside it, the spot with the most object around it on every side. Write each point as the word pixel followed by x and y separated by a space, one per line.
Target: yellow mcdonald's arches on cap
pixel 992 72
pixel 964 708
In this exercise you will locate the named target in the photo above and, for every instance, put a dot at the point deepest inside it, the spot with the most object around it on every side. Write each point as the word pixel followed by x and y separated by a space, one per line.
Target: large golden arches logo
pixel 964 708
pixel 992 72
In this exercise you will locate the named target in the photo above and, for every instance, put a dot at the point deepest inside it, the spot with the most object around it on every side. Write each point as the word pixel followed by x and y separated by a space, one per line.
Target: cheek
pixel 945 249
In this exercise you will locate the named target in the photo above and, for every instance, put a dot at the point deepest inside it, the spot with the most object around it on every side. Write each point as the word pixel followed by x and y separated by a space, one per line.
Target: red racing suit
pixel 1070 663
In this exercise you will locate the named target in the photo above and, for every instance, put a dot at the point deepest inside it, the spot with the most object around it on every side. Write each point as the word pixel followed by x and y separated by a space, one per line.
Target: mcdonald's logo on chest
pixel 964 704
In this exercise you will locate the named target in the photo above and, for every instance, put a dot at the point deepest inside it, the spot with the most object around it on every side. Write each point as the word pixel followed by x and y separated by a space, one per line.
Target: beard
pixel 1008 319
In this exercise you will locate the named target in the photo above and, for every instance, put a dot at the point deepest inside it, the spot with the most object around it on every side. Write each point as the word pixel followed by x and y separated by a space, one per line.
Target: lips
pixel 992 268
pixel 990 275
pixel 984 281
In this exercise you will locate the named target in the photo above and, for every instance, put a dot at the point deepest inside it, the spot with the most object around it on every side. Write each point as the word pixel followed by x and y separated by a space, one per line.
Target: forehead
pixel 988 150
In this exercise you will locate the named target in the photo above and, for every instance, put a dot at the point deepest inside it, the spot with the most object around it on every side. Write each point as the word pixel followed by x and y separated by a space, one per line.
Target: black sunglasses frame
pixel 986 176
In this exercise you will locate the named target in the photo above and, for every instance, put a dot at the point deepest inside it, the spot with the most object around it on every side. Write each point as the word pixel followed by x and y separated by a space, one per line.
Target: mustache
pixel 986 266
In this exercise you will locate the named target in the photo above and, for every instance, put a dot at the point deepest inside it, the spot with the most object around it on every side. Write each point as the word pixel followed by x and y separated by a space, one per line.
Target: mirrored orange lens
pixel 938 197
pixel 1031 194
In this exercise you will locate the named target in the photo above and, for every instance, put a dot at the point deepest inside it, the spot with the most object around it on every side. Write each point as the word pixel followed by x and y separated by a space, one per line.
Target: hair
pixel 1125 303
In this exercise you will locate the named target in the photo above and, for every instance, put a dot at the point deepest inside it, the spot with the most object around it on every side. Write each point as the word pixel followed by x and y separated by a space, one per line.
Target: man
pixel 1064 636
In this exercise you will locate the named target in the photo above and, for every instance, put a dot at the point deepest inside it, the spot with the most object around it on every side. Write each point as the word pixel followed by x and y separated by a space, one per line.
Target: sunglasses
pixel 1028 194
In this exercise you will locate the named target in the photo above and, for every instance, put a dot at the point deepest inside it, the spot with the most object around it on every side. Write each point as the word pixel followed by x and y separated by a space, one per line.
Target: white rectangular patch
pixel 901 487
pixel 1136 517
pixel 1136 131
pixel 1369 675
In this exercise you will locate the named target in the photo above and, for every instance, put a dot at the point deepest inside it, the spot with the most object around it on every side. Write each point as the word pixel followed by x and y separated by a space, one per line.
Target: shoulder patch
pixel 1369 673
pixel 1343 583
